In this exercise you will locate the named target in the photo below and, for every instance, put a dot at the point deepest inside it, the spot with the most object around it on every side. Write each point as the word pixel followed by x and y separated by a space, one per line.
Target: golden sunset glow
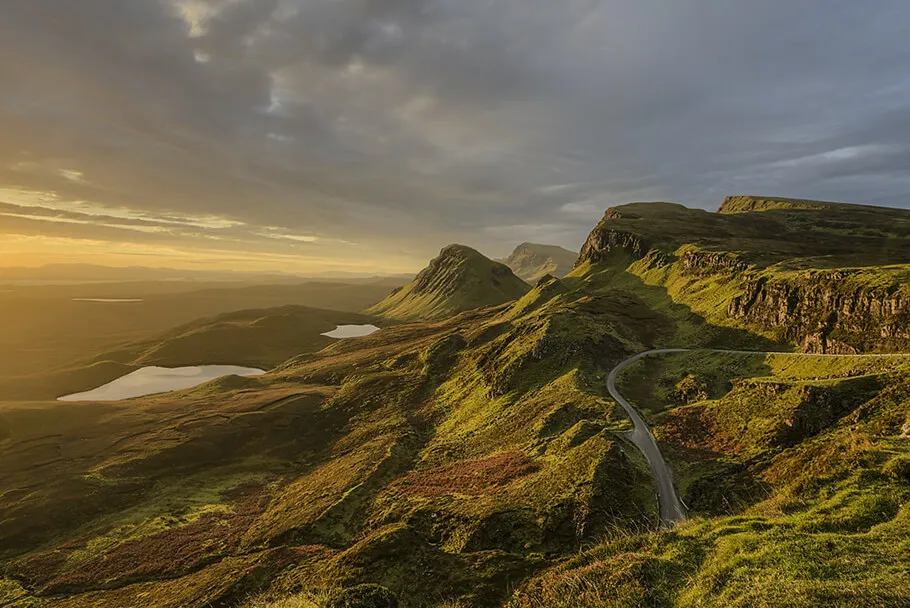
pixel 36 250
pixel 334 134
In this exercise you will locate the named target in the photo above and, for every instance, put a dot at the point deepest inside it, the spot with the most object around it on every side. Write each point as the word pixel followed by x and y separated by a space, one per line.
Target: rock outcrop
pixel 602 244
pixel 699 262
pixel 822 312
pixel 774 256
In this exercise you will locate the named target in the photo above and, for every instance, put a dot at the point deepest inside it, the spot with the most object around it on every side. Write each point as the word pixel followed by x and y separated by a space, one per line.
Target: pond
pixel 109 300
pixel 153 380
pixel 351 331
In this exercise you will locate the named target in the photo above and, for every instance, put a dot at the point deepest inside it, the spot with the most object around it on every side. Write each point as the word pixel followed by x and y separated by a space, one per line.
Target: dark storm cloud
pixel 406 124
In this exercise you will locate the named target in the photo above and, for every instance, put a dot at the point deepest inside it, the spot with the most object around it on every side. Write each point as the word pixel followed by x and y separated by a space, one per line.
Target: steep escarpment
pixel 633 230
pixel 601 245
pixel 830 311
pixel 826 277
pixel 532 261
pixel 747 204
pixel 459 279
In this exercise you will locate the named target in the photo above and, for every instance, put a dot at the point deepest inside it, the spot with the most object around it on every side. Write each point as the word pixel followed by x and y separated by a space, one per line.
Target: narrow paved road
pixel 671 508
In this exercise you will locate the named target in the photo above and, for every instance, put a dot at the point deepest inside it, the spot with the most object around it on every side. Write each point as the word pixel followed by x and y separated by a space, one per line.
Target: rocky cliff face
pixel 697 262
pixel 820 314
pixel 820 310
pixel 604 242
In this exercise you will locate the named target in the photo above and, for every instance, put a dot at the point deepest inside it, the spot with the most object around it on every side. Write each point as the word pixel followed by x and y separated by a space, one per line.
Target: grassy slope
pixel 796 472
pixel 475 449
pixel 481 452
pixel 459 279
pixel 797 476
pixel 478 450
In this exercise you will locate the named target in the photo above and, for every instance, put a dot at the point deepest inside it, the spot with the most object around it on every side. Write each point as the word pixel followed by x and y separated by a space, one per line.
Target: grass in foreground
pixel 830 525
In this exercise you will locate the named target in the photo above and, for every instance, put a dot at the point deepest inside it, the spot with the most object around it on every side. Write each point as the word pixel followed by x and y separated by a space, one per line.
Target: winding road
pixel 671 507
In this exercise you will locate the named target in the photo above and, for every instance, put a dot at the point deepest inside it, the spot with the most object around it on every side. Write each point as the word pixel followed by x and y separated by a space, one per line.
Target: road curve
pixel 671 508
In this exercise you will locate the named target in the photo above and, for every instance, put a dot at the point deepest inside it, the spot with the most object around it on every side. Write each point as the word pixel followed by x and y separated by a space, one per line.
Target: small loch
pixel 154 380
pixel 110 300
pixel 351 331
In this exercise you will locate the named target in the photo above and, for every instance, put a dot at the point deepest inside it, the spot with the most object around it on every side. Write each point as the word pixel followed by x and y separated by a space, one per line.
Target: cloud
pixel 400 125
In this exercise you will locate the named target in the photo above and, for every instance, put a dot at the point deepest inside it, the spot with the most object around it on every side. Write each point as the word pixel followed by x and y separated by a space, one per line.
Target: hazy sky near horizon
pixel 366 134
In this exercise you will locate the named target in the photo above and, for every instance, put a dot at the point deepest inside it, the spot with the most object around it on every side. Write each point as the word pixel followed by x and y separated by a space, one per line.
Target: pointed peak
pixel 458 279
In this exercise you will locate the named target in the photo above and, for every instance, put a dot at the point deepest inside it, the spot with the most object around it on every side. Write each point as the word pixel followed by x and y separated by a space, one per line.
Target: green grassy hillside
pixel 459 279
pixel 796 473
pixel 475 449
pixel 476 459
pixel 826 277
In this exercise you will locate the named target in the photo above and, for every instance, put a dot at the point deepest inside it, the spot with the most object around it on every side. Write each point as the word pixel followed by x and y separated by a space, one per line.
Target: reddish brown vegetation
pixel 248 498
pixel 40 568
pixel 690 429
pixel 472 477
pixel 166 554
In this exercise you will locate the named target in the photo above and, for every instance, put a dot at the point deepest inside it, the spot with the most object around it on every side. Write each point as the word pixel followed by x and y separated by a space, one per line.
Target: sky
pixel 364 135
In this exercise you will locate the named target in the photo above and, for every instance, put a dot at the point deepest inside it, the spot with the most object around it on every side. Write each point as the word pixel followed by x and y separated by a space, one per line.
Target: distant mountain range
pixel 531 261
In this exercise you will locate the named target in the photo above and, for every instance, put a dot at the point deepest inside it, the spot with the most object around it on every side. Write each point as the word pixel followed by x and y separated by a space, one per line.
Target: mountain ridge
pixel 745 203
pixel 832 277
pixel 458 279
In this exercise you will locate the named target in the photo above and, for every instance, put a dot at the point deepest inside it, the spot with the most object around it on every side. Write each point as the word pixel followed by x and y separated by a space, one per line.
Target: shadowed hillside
pixel 261 338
